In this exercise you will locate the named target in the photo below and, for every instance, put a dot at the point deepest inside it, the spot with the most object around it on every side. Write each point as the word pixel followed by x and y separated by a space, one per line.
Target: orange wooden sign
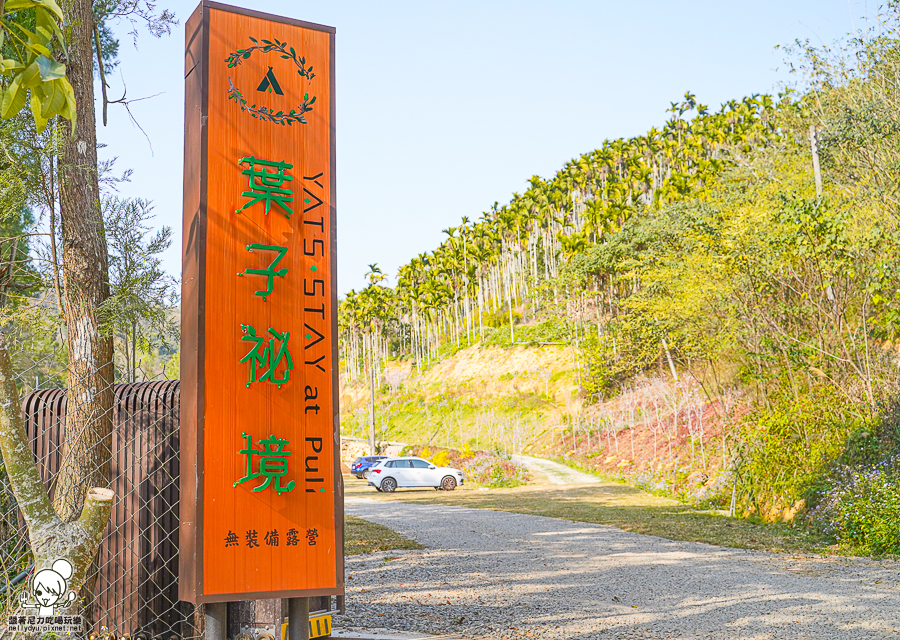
pixel 262 516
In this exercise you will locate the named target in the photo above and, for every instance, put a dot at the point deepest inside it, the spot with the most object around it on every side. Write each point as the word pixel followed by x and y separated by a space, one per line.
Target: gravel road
pixel 489 574
pixel 555 472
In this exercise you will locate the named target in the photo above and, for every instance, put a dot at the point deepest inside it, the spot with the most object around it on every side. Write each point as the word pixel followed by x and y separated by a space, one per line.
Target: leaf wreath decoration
pixel 262 112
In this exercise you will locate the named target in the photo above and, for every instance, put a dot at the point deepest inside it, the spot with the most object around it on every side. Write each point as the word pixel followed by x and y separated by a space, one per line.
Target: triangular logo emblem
pixel 269 83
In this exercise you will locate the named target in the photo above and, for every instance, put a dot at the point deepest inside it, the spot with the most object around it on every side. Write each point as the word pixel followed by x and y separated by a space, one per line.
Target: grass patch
pixel 449 416
pixel 362 536
pixel 621 506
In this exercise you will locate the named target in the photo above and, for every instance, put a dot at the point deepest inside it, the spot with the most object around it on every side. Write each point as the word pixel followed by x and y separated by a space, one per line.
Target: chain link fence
pixel 135 581
pixel 133 590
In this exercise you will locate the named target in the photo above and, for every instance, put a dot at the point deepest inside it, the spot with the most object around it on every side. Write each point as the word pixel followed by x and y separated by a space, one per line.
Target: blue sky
pixel 444 108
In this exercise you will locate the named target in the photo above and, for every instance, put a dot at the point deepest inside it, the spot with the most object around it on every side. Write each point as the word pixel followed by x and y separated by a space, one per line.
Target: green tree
pixel 138 310
pixel 72 524
pixel 30 41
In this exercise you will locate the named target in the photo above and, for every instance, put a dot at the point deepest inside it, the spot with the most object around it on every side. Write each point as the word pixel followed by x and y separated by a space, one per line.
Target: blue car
pixel 360 467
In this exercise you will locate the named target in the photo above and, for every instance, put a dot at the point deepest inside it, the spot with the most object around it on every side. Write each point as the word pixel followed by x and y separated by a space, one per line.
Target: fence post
pixel 298 619
pixel 216 620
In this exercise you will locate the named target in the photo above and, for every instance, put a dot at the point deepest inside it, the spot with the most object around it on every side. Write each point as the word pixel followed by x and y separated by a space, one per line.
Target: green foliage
pixel 862 510
pixel 550 331
pixel 440 459
pixel 480 467
pixel 628 347
pixel 142 294
pixel 785 452
pixel 172 369
pixel 515 253
pixel 29 38
pixel 708 245
pixel 500 318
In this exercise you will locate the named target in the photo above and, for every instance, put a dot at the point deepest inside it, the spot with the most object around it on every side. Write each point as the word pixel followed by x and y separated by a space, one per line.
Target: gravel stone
pixel 490 574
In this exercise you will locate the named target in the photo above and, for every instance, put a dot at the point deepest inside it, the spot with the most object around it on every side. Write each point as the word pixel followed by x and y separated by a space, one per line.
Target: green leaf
pixel 43 25
pixel 54 98
pixel 253 40
pixel 45 35
pixel 39 119
pixel 10 66
pixel 13 99
pixel 50 69
pixel 49 4
pixel 47 25
pixel 18 5
pixel 36 48
pixel 31 76
pixel 69 111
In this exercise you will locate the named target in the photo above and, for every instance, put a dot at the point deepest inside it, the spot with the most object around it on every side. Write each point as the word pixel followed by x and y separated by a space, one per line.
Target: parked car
pixel 361 466
pixel 393 473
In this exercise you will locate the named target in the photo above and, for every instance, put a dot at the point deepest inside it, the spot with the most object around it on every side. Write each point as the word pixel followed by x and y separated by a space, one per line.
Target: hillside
pixel 708 310
pixel 477 394
pixel 661 434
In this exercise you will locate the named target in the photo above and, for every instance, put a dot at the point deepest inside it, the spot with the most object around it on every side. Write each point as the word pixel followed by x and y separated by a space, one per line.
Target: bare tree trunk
pixel 50 197
pixel 372 448
pixel 86 452
pixel 669 358
pixel 134 351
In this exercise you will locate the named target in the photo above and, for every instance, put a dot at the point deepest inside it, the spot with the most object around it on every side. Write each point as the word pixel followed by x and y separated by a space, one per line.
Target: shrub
pixel 440 459
pixel 480 467
pixel 493 471
pixel 500 317
pixel 698 488
pixel 788 449
pixel 553 330
pixel 862 509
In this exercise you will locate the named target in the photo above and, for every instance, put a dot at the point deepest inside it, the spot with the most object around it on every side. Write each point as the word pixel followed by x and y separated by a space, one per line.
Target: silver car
pixel 409 471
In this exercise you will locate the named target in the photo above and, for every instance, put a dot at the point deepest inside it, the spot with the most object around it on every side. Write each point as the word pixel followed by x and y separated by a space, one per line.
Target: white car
pixel 412 472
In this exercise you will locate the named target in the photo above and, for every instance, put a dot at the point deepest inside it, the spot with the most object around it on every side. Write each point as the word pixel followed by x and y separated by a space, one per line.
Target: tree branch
pixel 31 495
pixel 95 515
pixel 103 84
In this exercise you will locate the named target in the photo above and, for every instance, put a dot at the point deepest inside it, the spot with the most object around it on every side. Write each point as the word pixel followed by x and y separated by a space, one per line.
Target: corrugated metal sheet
pixel 137 585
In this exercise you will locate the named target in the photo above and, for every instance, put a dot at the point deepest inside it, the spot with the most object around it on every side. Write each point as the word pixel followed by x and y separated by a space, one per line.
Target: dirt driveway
pixel 493 574
pixel 554 472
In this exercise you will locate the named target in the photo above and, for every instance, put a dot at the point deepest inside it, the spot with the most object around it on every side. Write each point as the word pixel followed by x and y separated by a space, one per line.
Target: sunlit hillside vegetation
pixel 701 260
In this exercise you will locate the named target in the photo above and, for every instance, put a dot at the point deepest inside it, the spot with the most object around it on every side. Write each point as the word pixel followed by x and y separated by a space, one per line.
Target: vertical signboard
pixel 261 494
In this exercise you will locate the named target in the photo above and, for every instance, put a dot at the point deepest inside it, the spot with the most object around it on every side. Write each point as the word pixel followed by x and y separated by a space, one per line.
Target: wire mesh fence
pixel 135 576
pixel 133 590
